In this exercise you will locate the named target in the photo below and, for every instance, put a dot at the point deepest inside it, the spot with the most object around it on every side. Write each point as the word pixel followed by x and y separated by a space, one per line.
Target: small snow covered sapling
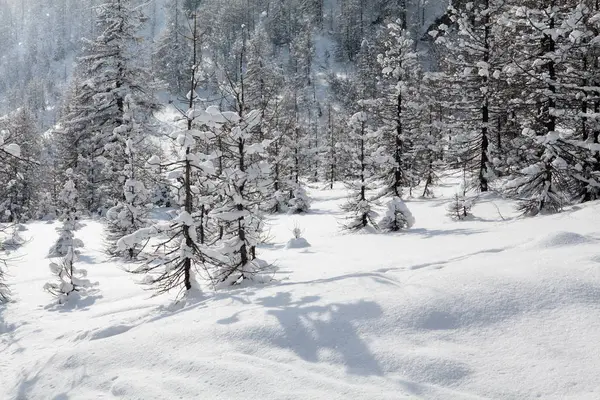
pixel 397 216
pixel 297 232
pixel 460 208
pixel 300 202
pixel 297 242
pixel 70 279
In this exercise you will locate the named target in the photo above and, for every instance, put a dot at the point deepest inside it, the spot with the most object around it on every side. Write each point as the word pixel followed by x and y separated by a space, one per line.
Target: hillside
pixel 496 307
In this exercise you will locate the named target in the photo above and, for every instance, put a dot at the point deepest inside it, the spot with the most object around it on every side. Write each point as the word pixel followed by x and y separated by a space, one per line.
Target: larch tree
pixel 130 213
pixel 243 181
pixel 171 58
pixel 581 27
pixel 551 160
pixel 399 112
pixel 180 253
pixel 360 146
pixel 108 75
pixel 9 153
pixel 20 185
pixel 473 61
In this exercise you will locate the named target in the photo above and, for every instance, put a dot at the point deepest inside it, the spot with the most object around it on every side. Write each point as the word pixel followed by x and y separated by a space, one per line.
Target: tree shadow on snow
pixel 87 259
pixel 429 233
pixel 7 332
pixel 315 331
pixel 79 303
pixel 318 211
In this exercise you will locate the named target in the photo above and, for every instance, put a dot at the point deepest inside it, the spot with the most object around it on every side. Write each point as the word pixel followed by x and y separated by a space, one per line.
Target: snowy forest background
pixel 271 94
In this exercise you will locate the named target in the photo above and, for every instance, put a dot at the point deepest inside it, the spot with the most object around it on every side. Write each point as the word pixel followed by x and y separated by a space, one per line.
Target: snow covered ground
pixel 491 308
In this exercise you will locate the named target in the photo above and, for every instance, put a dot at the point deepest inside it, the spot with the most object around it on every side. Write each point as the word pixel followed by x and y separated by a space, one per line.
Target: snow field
pixel 488 308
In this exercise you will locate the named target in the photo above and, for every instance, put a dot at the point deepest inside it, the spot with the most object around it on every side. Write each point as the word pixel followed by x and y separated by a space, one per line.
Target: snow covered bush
pixel 397 216
pixel 14 239
pixel 297 242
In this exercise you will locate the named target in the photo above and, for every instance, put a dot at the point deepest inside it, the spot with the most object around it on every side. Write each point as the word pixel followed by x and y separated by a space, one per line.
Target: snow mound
pixel 110 332
pixel 562 239
pixel 297 243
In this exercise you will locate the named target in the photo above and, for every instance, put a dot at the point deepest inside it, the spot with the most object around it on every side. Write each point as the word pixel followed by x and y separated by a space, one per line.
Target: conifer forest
pixel 299 199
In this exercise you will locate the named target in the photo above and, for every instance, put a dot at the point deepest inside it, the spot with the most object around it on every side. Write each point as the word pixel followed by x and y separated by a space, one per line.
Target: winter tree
pixel 4 289
pixel 581 81
pixel 20 185
pixel 359 204
pixel 71 280
pixel 551 162
pixel 129 214
pixel 399 111
pixel 180 252
pixel 473 61
pixel 243 182
pixel 109 78
pixel 171 58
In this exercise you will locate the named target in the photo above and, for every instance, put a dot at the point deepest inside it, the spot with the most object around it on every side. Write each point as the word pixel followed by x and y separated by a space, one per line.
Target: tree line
pixel 274 94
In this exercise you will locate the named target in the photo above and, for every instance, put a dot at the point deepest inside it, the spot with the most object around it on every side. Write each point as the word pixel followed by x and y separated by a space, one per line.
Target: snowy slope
pixel 487 308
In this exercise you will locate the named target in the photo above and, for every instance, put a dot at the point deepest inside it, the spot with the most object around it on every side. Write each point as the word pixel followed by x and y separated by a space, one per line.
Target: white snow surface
pixel 490 308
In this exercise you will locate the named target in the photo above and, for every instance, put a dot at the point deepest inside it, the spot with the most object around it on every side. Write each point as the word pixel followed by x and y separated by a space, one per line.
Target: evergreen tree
pixel 265 86
pixel 9 154
pixel 243 182
pixel 244 179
